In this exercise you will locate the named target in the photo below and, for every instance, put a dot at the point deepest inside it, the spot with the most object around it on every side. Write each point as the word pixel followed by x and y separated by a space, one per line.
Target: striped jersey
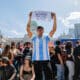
pixel 40 48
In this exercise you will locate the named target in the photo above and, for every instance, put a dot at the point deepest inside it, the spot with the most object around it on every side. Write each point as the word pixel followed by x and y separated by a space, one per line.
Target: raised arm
pixel 28 26
pixel 54 25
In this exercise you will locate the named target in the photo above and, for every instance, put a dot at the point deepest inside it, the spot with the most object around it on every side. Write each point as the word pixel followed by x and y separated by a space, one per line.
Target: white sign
pixel 41 15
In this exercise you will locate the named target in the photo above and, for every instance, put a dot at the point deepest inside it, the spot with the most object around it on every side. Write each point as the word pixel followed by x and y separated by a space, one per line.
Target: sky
pixel 14 15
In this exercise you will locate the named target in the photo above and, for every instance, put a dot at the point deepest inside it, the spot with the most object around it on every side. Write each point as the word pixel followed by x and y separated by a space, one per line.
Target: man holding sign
pixel 40 56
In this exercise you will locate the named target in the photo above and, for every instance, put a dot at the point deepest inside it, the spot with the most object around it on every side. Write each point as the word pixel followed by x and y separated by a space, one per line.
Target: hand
pixel 32 78
pixel 78 57
pixel 53 14
pixel 30 14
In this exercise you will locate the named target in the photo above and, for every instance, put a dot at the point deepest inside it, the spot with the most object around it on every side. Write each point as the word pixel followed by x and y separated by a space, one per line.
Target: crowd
pixel 37 60
pixel 16 61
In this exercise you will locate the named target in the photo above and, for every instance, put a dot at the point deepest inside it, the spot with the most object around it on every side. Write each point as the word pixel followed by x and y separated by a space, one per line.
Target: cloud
pixel 73 16
pixel 70 20
pixel 76 2
pixel 16 33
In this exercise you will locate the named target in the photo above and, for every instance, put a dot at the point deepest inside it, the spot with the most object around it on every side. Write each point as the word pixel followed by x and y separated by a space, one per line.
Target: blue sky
pixel 14 15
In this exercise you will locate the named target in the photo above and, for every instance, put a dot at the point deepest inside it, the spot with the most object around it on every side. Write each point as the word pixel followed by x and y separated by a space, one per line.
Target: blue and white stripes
pixel 40 48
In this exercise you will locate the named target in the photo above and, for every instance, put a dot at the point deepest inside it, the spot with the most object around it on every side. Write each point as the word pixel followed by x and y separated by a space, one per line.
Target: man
pixel 77 60
pixel 59 61
pixel 40 56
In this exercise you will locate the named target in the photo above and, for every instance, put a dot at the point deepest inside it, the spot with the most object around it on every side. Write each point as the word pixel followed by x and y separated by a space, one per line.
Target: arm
pixel 54 25
pixel 21 73
pixel 60 58
pixel 14 74
pixel 28 26
pixel 33 77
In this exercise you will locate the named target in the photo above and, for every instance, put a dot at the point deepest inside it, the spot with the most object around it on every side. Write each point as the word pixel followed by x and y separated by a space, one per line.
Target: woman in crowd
pixel 15 53
pixel 6 53
pixel 69 61
pixel 59 61
pixel 14 50
pixel 8 70
pixel 27 70
pixel 53 64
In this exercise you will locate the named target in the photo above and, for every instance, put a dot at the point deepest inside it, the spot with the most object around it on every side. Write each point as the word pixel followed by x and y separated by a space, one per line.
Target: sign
pixel 41 15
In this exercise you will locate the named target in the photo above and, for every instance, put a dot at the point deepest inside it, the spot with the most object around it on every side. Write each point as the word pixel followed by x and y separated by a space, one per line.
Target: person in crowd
pixel 8 70
pixel 1 72
pixel 40 56
pixel 27 70
pixel 15 52
pixel 27 49
pixel 59 61
pixel 6 53
pixel 1 49
pixel 20 46
pixel 53 60
pixel 77 60
pixel 70 61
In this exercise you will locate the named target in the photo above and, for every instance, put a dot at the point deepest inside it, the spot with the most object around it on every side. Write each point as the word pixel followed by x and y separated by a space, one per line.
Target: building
pixel 71 33
pixel 34 26
pixel 77 31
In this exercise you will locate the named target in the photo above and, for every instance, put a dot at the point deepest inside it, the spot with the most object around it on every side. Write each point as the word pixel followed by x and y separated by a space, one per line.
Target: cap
pixel 28 57
pixel 5 58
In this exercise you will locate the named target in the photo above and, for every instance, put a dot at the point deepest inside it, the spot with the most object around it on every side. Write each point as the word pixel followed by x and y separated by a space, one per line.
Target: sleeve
pixel 32 37
pixel 50 38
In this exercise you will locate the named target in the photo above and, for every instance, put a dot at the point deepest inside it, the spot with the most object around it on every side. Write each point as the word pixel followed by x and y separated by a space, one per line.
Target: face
pixel 0 45
pixel 14 46
pixel 40 32
pixel 4 64
pixel 26 61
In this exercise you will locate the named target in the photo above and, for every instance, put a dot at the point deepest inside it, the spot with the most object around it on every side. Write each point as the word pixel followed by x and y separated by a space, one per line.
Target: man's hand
pixel 78 57
pixel 53 14
pixel 30 14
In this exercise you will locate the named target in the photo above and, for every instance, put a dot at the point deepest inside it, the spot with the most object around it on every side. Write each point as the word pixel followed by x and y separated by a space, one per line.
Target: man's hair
pixel 58 42
pixel 40 27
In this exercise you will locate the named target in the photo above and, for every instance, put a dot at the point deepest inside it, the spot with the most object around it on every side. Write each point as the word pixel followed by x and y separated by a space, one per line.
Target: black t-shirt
pixel 27 52
pixel 7 72
pixel 57 51
pixel 69 52
pixel 77 51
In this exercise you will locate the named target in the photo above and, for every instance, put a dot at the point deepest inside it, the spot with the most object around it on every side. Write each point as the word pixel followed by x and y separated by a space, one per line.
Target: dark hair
pixel 13 44
pixel 77 42
pixel 40 27
pixel 0 44
pixel 5 61
pixel 68 45
pixel 58 42
pixel 6 52
pixel 6 49
pixel 30 63
pixel 26 43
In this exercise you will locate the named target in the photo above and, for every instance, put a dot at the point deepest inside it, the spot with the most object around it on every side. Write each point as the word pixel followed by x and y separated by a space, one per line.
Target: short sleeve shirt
pixel 40 48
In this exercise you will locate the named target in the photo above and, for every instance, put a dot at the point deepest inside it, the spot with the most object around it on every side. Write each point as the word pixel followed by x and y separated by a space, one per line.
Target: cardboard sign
pixel 41 15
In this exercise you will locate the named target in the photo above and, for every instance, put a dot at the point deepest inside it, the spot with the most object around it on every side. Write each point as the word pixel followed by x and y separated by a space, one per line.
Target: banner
pixel 41 15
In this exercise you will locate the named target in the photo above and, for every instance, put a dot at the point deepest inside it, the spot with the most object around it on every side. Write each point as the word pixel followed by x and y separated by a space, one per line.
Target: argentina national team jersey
pixel 40 48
